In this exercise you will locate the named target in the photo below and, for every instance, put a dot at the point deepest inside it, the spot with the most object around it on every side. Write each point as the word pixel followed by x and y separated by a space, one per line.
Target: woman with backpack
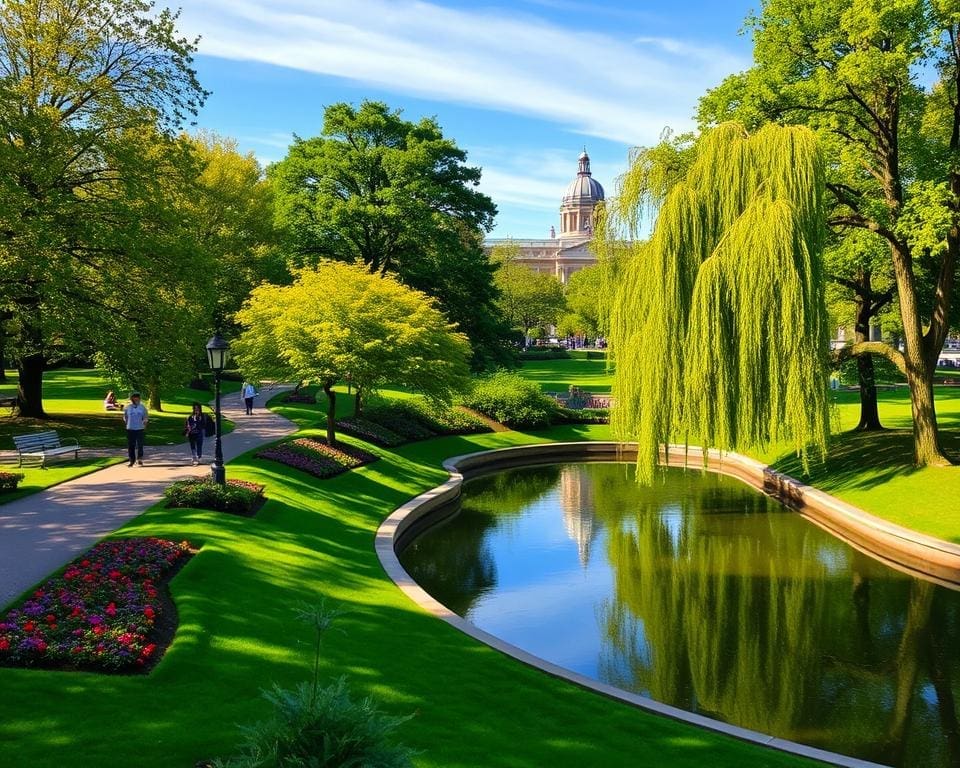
pixel 196 427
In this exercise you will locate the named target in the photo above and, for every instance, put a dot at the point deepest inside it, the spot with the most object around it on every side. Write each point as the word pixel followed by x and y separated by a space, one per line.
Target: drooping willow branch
pixel 718 325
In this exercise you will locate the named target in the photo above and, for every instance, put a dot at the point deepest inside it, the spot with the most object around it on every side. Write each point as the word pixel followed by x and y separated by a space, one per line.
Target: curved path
pixel 44 531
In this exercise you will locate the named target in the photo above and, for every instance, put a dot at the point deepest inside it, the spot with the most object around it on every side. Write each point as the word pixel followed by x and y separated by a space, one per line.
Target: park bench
pixel 8 402
pixel 43 444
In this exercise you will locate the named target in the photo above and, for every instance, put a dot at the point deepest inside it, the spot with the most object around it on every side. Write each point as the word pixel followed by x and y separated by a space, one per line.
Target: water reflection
pixel 703 594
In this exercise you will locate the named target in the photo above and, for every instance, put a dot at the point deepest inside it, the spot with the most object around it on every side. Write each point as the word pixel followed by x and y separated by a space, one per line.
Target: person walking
pixel 135 417
pixel 195 429
pixel 248 392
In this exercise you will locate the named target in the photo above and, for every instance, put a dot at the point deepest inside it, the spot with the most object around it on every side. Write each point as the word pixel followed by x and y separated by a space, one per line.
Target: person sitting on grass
pixel 110 402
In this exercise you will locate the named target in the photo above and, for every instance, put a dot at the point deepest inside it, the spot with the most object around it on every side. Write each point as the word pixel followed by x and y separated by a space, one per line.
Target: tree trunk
pixel 155 404
pixel 869 415
pixel 3 353
pixel 30 389
pixel 920 367
pixel 331 411
pixel 356 403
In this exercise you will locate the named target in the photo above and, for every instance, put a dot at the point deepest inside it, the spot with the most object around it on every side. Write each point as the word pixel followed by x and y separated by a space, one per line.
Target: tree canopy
pixel 339 321
pixel 83 85
pixel 855 73
pixel 398 196
pixel 528 299
pixel 718 327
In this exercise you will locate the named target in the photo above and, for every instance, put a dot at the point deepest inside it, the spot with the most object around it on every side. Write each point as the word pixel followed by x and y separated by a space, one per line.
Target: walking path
pixel 44 531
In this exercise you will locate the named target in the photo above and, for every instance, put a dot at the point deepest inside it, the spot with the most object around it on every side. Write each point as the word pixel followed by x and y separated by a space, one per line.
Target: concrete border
pixel 912 552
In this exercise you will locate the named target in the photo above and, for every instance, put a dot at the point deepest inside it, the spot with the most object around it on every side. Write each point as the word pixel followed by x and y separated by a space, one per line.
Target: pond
pixel 702 593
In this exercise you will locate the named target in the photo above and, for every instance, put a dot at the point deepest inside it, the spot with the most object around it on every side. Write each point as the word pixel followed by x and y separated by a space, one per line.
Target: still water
pixel 704 594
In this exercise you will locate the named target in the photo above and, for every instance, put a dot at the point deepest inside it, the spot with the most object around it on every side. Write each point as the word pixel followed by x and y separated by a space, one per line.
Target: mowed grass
pixel 559 375
pixel 73 400
pixel 236 601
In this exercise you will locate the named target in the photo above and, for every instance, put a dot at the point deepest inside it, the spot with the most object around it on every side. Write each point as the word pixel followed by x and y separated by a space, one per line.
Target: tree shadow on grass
pixel 864 460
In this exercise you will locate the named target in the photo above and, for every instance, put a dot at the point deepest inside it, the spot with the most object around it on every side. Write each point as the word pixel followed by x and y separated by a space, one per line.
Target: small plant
pixel 236 496
pixel 320 726
pixel 314 456
pixel 10 480
pixel 511 400
pixel 435 418
pixel 370 431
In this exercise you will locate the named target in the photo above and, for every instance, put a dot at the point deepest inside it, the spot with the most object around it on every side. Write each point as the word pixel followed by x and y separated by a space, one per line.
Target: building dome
pixel 579 200
pixel 584 189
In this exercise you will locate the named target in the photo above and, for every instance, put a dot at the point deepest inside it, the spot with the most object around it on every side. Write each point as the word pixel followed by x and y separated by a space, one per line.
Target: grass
pixel 73 400
pixel 236 601
pixel 558 375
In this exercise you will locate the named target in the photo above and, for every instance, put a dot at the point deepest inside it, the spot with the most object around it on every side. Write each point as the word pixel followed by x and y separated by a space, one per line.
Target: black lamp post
pixel 218 352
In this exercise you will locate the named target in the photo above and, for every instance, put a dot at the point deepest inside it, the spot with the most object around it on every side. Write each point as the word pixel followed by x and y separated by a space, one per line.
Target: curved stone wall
pixel 915 553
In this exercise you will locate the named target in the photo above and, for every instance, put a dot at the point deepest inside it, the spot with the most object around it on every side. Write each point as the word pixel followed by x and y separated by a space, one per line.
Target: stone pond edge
pixel 906 550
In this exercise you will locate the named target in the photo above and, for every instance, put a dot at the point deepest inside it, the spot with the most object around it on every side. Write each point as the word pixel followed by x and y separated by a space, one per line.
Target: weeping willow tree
pixel 718 326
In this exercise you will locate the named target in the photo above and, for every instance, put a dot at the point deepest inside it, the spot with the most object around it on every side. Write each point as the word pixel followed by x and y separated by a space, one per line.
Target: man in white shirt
pixel 248 392
pixel 135 417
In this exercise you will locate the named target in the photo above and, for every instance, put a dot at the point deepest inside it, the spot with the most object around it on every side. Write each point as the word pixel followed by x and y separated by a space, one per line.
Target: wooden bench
pixel 43 444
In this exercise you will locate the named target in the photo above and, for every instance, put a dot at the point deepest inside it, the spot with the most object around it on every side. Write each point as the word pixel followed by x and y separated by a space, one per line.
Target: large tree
pixel 78 78
pixel 399 196
pixel 528 298
pixel 853 71
pixel 719 328
pixel 338 321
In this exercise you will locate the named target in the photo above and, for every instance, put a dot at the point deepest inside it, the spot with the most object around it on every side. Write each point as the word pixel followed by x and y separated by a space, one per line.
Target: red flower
pixel 111 609
pixel 4 644
pixel 28 627
pixel 149 612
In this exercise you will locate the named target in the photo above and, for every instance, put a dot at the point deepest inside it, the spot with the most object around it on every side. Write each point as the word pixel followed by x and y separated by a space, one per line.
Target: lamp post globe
pixel 218 353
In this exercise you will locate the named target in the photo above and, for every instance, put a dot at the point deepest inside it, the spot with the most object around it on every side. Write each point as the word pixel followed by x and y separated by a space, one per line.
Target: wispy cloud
pixel 586 82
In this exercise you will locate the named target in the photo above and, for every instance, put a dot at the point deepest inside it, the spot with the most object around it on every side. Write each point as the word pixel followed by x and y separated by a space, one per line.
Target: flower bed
pixel 314 456
pixel 371 432
pixel 105 612
pixel 301 397
pixel 237 497
pixel 418 419
pixel 400 420
pixel 10 480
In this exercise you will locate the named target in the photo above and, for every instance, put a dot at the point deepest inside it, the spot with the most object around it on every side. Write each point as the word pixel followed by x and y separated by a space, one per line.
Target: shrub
pixel 511 400
pixel 583 415
pixel 237 496
pixel 400 418
pixel 370 431
pixel 321 726
pixel 544 353
pixel 314 456
pixel 100 614
pixel 10 480
pixel 436 418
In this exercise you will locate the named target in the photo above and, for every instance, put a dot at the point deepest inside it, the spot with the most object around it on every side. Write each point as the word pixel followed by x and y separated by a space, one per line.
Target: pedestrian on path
pixel 195 429
pixel 248 392
pixel 135 416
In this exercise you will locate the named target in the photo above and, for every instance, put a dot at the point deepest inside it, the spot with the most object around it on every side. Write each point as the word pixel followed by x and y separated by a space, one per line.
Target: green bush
pixel 544 353
pixel 10 480
pixel 433 418
pixel 399 418
pixel 511 400
pixel 583 415
pixel 314 726
pixel 237 496
pixel 371 431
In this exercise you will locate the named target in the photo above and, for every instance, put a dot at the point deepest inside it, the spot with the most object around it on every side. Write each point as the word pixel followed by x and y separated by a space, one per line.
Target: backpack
pixel 209 426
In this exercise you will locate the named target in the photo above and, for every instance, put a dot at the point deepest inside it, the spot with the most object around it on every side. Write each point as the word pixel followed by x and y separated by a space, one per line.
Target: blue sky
pixel 522 86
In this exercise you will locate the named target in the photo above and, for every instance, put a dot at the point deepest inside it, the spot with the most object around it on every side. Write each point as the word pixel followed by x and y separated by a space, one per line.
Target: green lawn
pixel 558 375
pixel 73 400
pixel 236 600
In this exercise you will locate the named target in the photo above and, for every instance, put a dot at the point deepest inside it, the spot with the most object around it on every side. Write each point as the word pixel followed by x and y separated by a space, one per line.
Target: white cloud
pixel 590 83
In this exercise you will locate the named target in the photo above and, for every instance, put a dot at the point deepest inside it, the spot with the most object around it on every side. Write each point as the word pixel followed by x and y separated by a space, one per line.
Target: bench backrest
pixel 37 440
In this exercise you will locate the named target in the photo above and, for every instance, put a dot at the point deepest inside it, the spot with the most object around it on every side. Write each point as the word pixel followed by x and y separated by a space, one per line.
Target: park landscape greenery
pixel 355 265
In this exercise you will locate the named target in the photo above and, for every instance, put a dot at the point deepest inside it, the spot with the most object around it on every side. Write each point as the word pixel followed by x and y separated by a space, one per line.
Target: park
pixel 303 463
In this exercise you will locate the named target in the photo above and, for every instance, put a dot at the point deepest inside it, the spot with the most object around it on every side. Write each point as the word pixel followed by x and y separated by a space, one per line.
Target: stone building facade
pixel 569 252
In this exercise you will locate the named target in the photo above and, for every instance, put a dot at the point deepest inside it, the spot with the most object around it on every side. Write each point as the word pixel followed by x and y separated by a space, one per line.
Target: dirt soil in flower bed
pixel 158 637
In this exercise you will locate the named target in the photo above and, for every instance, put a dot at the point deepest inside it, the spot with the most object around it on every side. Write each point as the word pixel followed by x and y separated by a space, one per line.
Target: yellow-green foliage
pixel 718 325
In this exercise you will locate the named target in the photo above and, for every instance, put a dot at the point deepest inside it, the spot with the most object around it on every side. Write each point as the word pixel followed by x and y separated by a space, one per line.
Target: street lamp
pixel 218 352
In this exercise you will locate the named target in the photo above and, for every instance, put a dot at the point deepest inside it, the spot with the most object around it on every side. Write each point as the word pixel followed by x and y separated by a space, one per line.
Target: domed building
pixel 569 252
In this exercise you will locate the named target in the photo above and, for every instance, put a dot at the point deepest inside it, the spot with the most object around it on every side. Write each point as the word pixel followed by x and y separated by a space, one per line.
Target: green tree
pixel 528 299
pixel 585 295
pixel 338 320
pixel 78 79
pixel 719 327
pixel 398 196
pixel 853 71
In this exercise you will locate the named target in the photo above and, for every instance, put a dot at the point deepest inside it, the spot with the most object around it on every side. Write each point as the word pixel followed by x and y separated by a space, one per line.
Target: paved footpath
pixel 44 531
